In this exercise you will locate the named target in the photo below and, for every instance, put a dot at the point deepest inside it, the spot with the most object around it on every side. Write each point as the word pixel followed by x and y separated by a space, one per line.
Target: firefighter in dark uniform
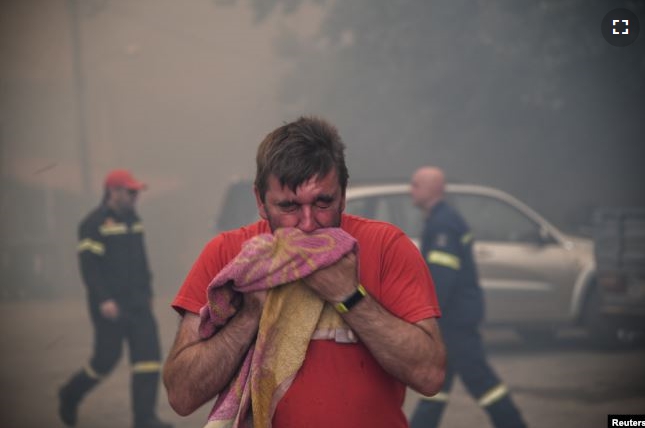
pixel 115 270
pixel 447 247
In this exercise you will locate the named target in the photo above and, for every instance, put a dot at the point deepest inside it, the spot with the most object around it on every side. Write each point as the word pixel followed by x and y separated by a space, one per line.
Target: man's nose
pixel 307 222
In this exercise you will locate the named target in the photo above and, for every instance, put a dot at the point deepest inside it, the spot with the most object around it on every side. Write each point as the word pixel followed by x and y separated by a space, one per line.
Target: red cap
pixel 123 178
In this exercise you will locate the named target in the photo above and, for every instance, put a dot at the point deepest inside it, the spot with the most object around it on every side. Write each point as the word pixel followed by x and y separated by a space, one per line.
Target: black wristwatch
pixel 344 306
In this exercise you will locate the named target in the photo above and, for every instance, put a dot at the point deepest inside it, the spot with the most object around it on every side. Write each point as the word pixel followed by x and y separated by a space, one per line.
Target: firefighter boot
pixel 70 396
pixel 428 413
pixel 144 398
pixel 504 413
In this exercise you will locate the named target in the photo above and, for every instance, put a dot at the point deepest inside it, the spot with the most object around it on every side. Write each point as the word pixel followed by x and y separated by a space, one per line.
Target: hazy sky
pixel 167 86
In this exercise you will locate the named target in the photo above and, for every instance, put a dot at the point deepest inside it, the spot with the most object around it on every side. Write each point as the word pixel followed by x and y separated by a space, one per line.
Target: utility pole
pixel 79 90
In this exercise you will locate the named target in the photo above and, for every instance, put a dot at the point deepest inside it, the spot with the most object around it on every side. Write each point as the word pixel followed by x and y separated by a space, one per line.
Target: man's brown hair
pixel 299 151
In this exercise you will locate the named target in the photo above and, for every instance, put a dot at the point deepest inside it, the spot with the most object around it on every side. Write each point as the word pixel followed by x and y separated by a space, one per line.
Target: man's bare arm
pixel 197 370
pixel 413 353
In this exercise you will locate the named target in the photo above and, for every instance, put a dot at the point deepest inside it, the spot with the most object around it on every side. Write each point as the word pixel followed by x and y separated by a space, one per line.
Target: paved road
pixel 565 384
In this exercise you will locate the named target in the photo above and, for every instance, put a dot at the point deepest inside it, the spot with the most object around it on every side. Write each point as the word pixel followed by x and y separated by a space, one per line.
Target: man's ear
pixel 258 201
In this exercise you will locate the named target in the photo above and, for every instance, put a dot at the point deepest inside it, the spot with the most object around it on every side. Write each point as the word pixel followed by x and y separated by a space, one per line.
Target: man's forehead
pixel 326 183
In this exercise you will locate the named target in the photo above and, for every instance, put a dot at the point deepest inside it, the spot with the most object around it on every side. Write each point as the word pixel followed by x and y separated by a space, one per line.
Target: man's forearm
pixel 197 370
pixel 413 353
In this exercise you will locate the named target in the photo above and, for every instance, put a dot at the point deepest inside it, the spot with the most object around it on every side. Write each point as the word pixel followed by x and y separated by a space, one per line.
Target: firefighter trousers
pixel 467 359
pixel 139 329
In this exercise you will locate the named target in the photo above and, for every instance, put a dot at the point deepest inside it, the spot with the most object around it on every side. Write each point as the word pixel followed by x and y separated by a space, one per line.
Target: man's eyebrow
pixel 286 203
pixel 325 198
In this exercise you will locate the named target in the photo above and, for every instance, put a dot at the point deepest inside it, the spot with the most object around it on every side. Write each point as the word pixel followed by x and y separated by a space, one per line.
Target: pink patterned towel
pixel 291 315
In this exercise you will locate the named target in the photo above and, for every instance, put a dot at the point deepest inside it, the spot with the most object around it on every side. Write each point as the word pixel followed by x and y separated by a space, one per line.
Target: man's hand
pixel 109 309
pixel 413 353
pixel 336 282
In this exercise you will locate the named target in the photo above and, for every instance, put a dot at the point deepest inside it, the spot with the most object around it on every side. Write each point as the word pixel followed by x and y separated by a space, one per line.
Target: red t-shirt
pixel 338 385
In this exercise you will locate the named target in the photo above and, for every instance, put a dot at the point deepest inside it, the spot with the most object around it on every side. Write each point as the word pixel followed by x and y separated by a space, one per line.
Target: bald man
pixel 446 245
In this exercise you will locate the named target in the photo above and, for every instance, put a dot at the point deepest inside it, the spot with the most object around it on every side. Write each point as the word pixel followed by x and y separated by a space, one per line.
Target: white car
pixel 535 277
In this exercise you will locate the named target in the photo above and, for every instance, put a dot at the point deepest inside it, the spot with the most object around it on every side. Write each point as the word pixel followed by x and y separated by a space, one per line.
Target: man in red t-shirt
pixel 389 303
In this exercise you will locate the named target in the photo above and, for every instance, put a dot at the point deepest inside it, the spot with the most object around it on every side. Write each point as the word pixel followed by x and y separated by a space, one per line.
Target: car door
pixel 526 273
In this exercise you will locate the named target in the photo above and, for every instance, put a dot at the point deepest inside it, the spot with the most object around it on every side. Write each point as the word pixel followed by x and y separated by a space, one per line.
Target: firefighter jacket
pixel 112 258
pixel 446 245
